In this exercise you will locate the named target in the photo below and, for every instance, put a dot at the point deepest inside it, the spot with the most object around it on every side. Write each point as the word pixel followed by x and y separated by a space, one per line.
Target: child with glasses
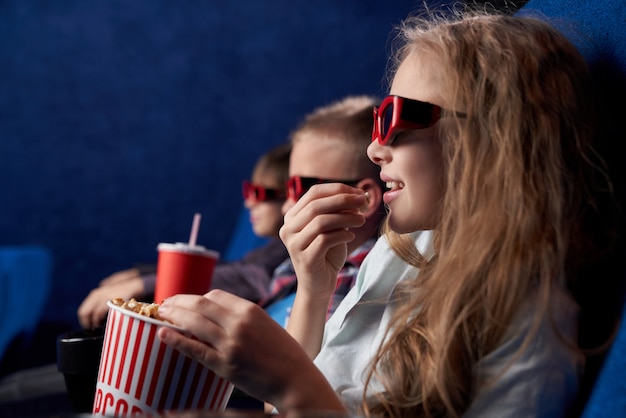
pixel 484 144
pixel 248 277
pixel 329 147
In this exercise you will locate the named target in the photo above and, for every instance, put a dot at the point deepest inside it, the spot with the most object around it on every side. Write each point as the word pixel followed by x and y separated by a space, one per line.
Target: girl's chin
pixel 401 226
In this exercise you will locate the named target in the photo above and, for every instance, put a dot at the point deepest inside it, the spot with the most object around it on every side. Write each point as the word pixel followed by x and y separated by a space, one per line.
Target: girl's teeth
pixel 394 185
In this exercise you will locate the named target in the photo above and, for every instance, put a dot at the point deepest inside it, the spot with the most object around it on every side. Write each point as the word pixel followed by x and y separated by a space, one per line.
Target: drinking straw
pixel 194 230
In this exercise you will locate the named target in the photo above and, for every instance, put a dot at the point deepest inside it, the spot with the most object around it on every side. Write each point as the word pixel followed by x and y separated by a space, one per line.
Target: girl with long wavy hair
pixel 484 144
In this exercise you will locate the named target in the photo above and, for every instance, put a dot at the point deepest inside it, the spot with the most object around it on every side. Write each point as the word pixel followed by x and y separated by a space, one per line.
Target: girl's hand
pixel 316 233
pixel 241 343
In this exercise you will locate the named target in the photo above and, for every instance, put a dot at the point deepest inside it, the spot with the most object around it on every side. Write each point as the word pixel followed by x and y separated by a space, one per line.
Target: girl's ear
pixel 374 191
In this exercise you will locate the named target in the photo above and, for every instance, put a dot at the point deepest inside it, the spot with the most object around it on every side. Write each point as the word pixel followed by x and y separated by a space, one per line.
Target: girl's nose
pixel 377 153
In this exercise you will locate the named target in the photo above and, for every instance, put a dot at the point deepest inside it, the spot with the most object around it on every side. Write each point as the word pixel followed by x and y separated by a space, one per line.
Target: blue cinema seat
pixel 25 278
pixel 598 29
pixel 608 397
pixel 243 238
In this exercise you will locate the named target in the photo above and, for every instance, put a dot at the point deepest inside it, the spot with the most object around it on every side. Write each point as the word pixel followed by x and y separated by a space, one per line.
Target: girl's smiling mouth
pixel 394 185
pixel 395 188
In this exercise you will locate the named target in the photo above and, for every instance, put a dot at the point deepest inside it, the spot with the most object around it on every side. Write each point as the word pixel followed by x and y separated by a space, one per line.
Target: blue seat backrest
pixel 598 29
pixel 281 310
pixel 243 238
pixel 608 397
pixel 25 279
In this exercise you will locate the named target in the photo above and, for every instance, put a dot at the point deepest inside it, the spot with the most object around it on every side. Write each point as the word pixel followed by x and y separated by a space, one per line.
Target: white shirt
pixel 540 383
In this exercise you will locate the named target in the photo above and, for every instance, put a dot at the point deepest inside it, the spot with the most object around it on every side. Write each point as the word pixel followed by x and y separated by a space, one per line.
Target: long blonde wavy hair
pixel 515 193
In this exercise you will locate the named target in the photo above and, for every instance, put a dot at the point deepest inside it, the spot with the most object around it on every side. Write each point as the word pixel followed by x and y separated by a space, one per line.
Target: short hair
pixel 273 166
pixel 348 122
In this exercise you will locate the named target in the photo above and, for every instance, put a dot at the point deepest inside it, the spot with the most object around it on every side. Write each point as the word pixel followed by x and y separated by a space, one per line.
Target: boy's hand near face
pixel 316 232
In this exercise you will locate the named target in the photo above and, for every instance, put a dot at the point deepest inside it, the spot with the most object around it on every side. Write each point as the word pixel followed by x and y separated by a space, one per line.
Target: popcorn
pixel 140 375
pixel 367 202
pixel 150 310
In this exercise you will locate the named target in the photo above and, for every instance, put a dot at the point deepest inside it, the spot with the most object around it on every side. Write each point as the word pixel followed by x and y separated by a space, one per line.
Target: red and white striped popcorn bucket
pixel 139 374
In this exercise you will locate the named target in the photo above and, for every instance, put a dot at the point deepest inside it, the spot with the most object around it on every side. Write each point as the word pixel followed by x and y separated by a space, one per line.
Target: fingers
pixel 195 349
pixel 329 198
pixel 325 209
pixel 91 313
pixel 93 309
pixel 324 231
pixel 194 314
pixel 216 306
pixel 203 316
pixel 188 311
pixel 215 321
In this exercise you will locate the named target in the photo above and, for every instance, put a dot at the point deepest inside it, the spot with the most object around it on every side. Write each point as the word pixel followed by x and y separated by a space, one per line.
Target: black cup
pixel 78 358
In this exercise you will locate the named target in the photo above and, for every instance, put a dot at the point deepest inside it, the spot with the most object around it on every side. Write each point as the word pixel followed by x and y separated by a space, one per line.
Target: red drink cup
pixel 139 374
pixel 183 268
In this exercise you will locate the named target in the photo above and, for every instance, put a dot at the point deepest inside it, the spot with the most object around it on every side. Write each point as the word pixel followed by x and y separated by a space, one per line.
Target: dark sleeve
pixel 250 277
pixel 147 272
pixel 149 282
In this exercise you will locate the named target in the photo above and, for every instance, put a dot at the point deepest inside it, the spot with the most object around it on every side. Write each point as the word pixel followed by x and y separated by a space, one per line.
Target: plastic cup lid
pixel 184 247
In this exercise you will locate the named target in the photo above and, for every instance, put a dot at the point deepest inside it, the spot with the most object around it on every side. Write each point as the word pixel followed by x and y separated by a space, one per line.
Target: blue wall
pixel 120 119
